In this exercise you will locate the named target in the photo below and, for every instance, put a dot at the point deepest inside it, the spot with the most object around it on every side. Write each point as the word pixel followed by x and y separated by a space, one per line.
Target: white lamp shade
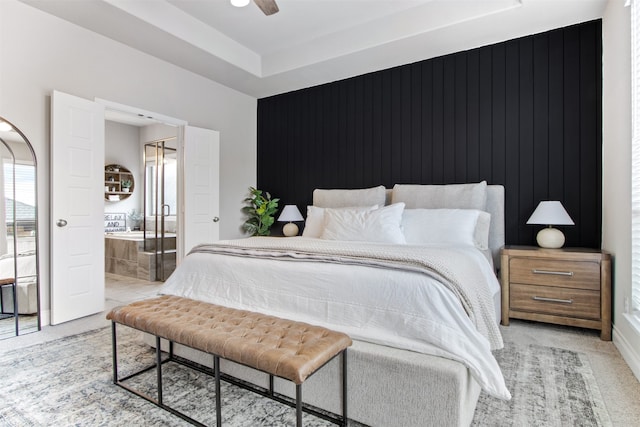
pixel 550 213
pixel 290 213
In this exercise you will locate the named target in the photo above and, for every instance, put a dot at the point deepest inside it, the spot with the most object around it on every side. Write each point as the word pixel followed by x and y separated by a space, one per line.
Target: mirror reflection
pixel 161 204
pixel 19 286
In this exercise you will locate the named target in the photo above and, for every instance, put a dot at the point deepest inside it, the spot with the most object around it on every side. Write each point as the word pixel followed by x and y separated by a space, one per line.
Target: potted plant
pixel 135 218
pixel 260 212
pixel 126 185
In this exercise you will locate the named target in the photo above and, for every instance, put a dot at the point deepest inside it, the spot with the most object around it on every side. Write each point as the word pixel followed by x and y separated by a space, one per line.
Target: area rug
pixel 549 386
pixel 68 382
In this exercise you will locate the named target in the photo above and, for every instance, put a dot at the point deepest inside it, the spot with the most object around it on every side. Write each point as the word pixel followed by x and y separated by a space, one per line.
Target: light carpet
pixel 69 382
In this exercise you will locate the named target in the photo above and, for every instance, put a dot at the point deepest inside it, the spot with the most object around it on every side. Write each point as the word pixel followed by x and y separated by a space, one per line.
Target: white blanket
pixel 431 300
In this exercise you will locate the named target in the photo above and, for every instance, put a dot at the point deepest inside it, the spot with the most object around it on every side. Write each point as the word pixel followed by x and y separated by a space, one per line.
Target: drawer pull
pixel 554 273
pixel 545 299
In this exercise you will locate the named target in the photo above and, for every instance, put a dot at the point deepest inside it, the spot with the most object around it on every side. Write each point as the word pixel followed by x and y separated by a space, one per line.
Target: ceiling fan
pixel 268 7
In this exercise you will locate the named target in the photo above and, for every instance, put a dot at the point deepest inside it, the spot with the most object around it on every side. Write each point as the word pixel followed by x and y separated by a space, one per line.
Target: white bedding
pixel 407 309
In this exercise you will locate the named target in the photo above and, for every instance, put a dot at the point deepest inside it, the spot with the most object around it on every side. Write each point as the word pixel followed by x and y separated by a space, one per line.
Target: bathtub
pixel 125 254
pixel 125 235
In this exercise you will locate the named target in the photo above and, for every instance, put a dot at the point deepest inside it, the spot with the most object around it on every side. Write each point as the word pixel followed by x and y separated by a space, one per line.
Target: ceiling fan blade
pixel 268 7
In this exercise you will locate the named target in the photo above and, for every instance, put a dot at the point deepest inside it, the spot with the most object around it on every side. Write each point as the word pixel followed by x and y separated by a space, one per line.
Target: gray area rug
pixel 69 382
pixel 549 387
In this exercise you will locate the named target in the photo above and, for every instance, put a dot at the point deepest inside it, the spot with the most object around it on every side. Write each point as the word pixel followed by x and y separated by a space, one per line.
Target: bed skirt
pixel 387 386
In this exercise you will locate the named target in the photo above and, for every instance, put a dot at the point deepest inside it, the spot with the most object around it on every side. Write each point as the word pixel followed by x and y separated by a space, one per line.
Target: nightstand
pixel 568 286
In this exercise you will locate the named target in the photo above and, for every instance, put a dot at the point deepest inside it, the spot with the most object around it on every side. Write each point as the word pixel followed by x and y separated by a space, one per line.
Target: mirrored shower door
pixel 160 205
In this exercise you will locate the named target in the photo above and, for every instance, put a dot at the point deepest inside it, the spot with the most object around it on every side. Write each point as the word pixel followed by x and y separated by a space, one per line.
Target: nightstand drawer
pixel 567 274
pixel 557 301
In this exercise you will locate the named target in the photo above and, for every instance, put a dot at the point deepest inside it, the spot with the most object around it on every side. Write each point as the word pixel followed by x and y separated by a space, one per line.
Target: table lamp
pixel 550 213
pixel 289 214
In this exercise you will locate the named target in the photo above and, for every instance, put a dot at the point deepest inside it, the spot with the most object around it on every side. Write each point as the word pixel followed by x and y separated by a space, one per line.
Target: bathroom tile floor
pixel 122 289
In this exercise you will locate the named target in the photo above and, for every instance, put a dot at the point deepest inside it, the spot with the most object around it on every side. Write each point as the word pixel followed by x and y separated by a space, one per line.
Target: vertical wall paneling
pixel 473 116
pixel 525 113
pixel 571 142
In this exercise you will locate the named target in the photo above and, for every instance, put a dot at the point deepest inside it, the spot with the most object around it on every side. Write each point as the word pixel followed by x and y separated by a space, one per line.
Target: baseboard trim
pixel 627 350
pixel 45 317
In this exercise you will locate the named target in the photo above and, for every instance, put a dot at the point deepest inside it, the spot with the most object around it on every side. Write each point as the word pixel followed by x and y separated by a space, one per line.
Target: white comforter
pixel 403 306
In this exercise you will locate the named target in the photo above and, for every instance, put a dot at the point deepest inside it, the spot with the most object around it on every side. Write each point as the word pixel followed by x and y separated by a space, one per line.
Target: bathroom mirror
pixel 19 283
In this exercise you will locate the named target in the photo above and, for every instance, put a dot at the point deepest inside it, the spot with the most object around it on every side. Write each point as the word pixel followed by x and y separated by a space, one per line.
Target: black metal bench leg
pixel 344 388
pixel 114 352
pixel 299 405
pixel 159 369
pixel 270 385
pixel 216 369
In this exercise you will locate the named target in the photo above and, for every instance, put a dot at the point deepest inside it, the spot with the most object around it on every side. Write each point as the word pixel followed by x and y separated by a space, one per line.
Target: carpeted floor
pixel 68 382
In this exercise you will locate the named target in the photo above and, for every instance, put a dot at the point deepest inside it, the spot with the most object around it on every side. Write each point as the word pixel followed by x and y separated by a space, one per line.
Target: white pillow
pixel 314 224
pixel 380 225
pixel 450 196
pixel 468 227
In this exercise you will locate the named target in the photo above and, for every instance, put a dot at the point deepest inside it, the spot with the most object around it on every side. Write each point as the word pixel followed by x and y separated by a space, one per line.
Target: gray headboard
pixel 495 206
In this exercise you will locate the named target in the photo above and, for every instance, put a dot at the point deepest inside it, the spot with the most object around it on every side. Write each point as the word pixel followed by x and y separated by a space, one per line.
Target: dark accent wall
pixel 525 113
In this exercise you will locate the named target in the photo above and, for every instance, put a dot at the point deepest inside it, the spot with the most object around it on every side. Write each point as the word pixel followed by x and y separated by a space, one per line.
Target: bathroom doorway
pixel 141 236
pixel 198 174
pixel 161 204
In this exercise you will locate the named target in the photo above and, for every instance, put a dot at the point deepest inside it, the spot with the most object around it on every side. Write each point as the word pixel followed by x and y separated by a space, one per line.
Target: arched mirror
pixel 19 284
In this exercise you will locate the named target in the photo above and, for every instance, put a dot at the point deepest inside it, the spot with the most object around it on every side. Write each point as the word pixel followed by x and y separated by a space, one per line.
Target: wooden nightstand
pixel 568 286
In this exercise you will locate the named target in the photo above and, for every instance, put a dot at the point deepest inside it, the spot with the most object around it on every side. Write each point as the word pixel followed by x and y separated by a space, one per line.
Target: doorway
pixel 196 221
pixel 141 220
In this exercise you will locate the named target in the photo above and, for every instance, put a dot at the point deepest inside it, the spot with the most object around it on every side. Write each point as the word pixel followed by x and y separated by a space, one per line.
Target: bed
pixel 408 273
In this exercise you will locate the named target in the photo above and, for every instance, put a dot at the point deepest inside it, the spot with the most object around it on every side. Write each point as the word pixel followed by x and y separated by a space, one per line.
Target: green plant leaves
pixel 260 211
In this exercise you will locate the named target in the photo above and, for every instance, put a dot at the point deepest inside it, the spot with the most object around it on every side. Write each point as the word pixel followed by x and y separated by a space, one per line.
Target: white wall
pixel 616 195
pixel 41 53
pixel 155 132
pixel 122 147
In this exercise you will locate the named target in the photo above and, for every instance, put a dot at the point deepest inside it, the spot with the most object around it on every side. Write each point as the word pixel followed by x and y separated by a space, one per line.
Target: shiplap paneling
pixel 524 113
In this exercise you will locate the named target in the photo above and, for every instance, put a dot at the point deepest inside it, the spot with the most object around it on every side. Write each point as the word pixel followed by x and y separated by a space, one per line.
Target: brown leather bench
pixel 279 347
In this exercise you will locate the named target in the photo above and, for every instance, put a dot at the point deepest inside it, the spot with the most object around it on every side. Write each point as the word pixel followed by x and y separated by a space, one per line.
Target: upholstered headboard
pixel 495 206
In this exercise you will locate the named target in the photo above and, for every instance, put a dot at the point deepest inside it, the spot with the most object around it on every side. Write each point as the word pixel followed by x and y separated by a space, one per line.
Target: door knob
pixel 216 219
pixel 61 222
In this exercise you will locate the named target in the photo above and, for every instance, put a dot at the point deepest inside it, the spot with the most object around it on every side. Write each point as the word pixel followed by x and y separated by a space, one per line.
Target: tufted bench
pixel 279 347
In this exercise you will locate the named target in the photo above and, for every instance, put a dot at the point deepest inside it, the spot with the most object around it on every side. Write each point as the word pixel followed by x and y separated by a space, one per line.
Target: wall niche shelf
pixel 114 178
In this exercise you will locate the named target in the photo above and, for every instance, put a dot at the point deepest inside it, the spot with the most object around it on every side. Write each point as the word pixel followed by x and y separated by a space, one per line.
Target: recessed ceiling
pixel 310 42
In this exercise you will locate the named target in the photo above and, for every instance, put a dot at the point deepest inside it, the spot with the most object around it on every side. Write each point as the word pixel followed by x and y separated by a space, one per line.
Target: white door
pixel 200 162
pixel 77 232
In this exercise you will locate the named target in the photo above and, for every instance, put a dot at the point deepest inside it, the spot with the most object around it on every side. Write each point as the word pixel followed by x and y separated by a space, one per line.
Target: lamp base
pixel 550 238
pixel 290 229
